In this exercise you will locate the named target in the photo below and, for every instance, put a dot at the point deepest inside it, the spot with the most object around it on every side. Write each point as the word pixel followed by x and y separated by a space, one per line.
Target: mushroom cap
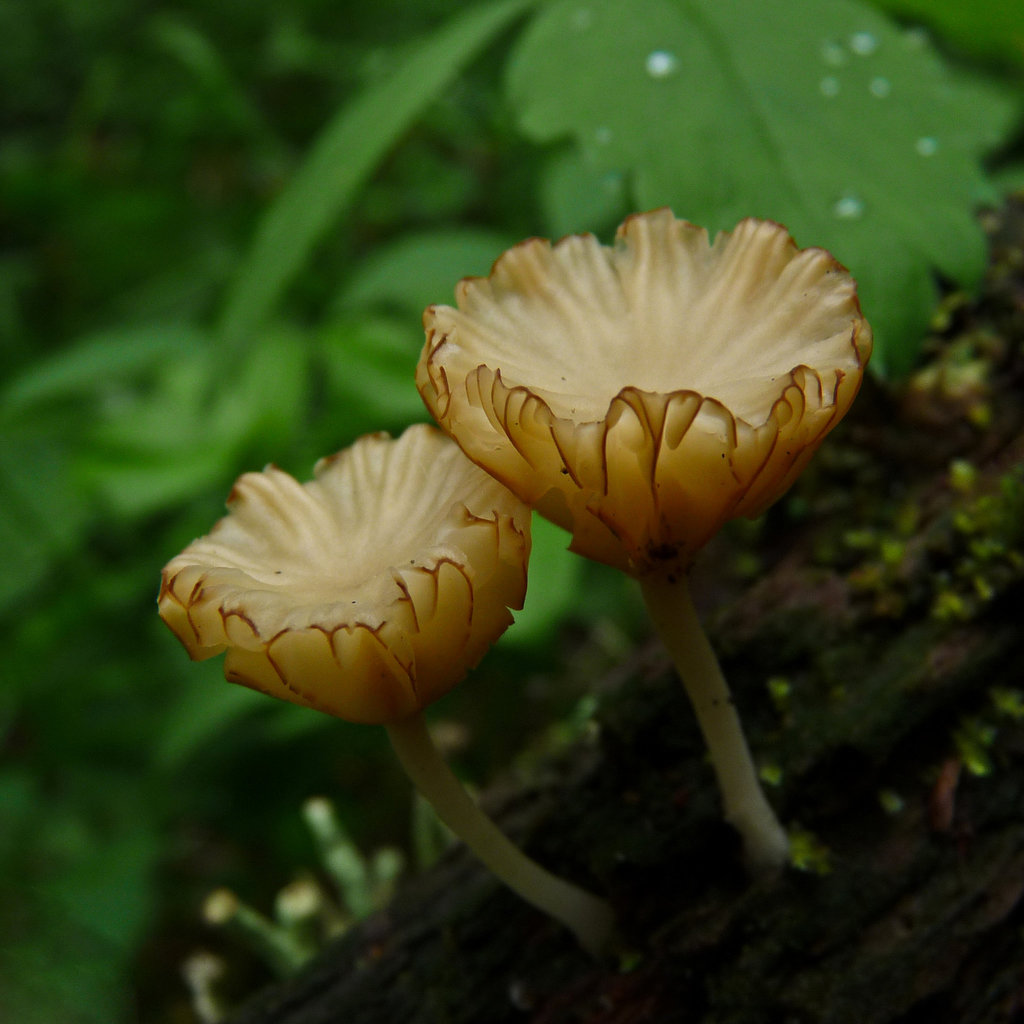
pixel 368 592
pixel 641 395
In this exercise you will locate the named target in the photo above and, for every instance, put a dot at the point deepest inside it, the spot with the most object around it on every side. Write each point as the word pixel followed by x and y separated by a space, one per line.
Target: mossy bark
pixel 888 617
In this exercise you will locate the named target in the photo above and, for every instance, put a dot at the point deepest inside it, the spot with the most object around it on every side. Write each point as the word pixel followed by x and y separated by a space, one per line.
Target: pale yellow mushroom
pixel 640 396
pixel 368 593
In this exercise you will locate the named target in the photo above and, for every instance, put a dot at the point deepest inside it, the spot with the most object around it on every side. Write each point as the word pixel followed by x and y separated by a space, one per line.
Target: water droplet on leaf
pixel 863 44
pixel 603 135
pixel 661 64
pixel 829 86
pixel 927 145
pixel 848 207
pixel 880 87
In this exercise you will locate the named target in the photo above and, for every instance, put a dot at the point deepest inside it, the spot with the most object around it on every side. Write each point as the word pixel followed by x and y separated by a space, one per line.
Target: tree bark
pixel 877 658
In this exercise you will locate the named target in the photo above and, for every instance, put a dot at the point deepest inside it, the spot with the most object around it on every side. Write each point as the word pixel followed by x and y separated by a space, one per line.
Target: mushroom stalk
pixel 668 600
pixel 587 916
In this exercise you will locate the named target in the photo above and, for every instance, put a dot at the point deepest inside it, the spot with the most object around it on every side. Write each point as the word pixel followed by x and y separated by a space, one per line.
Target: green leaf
pixel 97 363
pixel 821 114
pixel 181 39
pixel 555 575
pixel 369 369
pixel 76 896
pixel 205 707
pixel 986 27
pixel 577 195
pixel 263 401
pixel 163 444
pixel 343 157
pixel 42 517
pixel 421 269
pixel 52 969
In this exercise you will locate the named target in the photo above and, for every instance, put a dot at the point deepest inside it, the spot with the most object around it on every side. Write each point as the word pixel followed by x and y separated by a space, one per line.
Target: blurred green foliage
pixel 219 225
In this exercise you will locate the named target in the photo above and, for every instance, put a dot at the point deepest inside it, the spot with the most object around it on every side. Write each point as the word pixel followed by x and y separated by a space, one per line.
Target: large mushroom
pixel 368 593
pixel 642 395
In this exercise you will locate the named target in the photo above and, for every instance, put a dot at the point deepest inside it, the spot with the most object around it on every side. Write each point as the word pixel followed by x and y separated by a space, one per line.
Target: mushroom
pixel 368 593
pixel 642 395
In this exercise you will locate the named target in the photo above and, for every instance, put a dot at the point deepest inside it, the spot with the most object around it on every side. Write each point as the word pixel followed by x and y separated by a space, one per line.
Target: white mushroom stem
pixel 588 917
pixel 765 844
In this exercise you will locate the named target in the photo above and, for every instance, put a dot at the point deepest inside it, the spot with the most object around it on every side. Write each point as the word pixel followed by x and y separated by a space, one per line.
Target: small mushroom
pixel 368 593
pixel 642 395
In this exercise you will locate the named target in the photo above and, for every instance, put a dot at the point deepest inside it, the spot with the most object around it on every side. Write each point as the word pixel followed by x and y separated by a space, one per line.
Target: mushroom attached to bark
pixel 368 593
pixel 642 395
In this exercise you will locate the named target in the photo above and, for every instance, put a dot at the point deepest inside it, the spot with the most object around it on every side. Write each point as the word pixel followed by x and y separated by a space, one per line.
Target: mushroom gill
pixel 642 395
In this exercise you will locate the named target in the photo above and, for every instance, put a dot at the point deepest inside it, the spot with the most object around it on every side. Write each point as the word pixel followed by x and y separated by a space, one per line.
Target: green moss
pixel 808 853
pixel 891 802
pixel 950 606
pixel 780 689
pixel 985 545
pixel 963 476
pixel 954 566
pixel 974 738
pixel 1008 703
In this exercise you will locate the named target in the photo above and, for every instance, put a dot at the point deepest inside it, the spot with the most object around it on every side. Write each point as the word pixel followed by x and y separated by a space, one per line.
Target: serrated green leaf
pixel 344 155
pixel 821 114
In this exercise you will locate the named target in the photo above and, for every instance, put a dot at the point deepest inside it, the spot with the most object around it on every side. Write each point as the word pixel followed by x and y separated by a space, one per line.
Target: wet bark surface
pixel 874 642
